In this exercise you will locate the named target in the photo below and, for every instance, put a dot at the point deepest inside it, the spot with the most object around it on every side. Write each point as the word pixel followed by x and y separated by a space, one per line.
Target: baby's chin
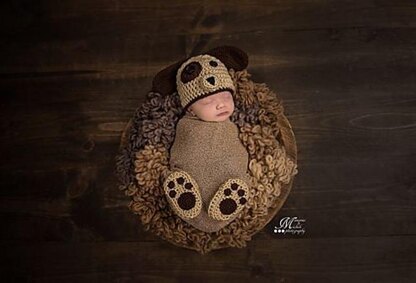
pixel 216 118
pixel 223 118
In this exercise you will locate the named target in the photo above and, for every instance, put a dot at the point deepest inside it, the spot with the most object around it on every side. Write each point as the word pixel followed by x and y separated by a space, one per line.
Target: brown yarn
pixel 143 163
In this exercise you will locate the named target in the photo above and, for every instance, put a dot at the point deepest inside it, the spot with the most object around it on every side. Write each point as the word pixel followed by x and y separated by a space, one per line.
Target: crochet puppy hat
pixel 202 75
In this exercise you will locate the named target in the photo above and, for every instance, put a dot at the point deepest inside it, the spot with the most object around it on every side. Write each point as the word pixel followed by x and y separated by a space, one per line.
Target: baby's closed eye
pixel 207 100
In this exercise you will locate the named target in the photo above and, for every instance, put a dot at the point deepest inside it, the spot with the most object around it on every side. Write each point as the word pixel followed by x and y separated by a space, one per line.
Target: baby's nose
pixel 220 103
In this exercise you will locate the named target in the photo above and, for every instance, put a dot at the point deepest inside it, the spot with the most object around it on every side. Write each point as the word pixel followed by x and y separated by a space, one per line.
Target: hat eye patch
pixel 213 63
pixel 190 72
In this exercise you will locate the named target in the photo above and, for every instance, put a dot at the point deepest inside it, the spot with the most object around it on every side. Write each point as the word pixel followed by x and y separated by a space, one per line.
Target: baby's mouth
pixel 223 113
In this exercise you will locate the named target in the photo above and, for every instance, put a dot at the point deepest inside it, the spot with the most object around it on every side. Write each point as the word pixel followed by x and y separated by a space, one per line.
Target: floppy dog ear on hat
pixel 232 57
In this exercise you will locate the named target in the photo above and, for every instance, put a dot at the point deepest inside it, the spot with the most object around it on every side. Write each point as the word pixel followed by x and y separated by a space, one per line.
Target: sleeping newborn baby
pixel 207 185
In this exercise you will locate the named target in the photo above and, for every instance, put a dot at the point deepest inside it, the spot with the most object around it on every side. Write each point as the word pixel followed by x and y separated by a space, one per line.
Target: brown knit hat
pixel 201 75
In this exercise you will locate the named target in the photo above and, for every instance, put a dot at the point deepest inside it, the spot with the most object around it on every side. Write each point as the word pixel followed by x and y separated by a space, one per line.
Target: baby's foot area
pixel 183 194
pixel 229 200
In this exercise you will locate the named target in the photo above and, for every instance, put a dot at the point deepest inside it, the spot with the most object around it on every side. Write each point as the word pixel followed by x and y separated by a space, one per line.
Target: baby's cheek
pixel 208 110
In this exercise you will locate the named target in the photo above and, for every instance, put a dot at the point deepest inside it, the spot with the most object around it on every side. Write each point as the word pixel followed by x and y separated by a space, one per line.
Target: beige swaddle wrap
pixel 211 153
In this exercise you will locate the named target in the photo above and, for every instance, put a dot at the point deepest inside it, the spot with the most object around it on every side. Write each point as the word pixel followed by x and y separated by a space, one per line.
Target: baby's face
pixel 217 107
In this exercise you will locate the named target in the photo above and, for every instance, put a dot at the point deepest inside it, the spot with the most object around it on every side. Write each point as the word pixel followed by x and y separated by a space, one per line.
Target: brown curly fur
pixel 143 164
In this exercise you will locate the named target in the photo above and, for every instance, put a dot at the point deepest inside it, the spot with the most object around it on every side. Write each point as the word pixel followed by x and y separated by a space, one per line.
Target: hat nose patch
pixel 211 80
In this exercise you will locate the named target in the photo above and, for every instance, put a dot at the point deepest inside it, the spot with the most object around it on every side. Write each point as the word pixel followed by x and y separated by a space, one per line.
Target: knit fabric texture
pixel 201 76
pixel 211 152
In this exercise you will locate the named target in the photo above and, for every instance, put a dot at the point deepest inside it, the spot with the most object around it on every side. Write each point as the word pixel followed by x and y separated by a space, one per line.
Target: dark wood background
pixel 72 74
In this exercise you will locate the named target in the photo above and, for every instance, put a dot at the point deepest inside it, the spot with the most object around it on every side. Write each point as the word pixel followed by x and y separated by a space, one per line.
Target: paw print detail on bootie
pixel 229 200
pixel 183 194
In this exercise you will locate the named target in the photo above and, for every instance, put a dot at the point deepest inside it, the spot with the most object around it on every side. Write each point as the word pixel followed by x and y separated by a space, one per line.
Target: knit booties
pixel 183 194
pixel 229 200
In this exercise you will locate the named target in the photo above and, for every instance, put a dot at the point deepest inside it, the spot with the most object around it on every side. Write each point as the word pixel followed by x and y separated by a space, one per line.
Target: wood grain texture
pixel 72 74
